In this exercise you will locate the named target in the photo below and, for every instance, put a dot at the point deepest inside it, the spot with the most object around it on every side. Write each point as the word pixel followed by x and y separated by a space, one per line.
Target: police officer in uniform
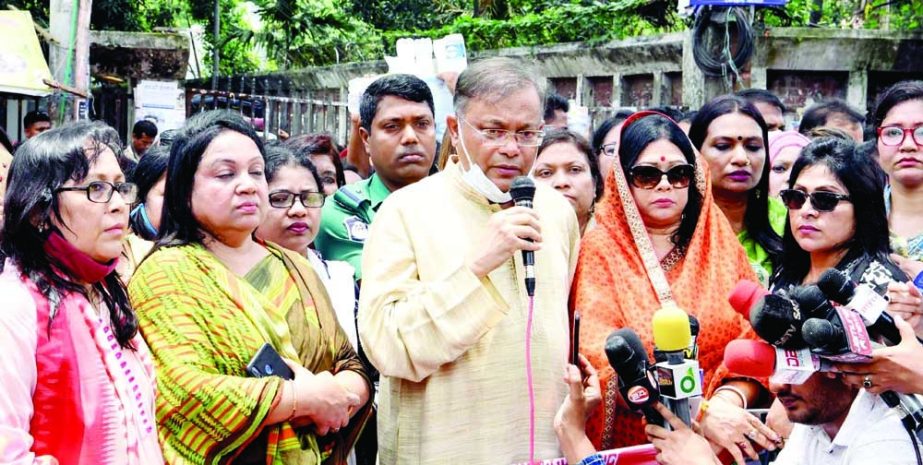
pixel 399 133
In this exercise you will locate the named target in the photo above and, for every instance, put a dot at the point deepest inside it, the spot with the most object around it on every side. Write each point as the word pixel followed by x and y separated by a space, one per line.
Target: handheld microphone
pixel 523 191
pixel 841 338
pixel 746 295
pixel 628 358
pixel 679 378
pixel 778 321
pixel 759 359
pixel 812 301
pixel 863 299
pixel 692 352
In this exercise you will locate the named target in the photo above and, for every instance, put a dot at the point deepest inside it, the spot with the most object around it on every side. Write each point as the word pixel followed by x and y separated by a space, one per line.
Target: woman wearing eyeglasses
pixel 210 296
pixel 295 198
pixel 606 140
pixel 836 219
pixel 899 119
pixel 732 136
pixel 659 241
pixel 78 381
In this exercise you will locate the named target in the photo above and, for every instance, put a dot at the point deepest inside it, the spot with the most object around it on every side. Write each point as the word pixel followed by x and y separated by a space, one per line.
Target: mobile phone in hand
pixel 575 334
pixel 268 362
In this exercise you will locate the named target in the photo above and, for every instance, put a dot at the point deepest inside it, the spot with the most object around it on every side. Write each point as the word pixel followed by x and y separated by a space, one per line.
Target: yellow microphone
pixel 679 379
pixel 671 329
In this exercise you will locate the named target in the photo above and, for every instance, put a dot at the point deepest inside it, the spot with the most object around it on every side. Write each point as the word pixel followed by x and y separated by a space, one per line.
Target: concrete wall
pixel 800 64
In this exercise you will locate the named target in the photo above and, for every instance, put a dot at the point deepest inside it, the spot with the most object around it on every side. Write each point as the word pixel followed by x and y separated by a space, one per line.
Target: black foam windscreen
pixel 775 321
pixel 836 286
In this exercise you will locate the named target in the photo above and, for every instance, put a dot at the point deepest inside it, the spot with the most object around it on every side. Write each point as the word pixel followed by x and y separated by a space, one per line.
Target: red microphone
pixel 759 359
pixel 745 296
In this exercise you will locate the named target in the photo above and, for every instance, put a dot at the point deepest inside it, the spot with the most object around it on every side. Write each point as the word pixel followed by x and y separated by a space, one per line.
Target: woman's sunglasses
pixel 821 201
pixel 648 177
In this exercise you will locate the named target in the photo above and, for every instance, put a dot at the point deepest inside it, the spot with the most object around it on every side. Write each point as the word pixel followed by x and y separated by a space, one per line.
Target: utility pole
pixel 82 59
pixel 69 51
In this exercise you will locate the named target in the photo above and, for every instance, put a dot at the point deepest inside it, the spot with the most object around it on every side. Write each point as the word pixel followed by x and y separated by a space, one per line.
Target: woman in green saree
pixel 210 295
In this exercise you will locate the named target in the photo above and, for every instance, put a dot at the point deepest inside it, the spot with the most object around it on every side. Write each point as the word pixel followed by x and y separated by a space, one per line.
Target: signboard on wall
pixel 22 65
pixel 161 102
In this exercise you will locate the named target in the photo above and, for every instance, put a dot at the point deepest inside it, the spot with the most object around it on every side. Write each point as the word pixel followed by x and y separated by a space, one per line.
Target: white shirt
pixel 338 279
pixel 871 434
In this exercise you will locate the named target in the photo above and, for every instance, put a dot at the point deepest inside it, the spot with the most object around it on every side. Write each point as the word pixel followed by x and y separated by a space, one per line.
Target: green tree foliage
pixel 591 22
pixel 313 32
pixel 298 33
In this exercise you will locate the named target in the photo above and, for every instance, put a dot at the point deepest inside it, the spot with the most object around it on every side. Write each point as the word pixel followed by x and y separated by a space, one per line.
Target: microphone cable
pixel 916 445
pixel 530 381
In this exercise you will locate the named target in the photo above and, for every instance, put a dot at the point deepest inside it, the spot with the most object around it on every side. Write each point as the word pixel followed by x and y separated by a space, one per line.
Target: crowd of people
pixel 394 279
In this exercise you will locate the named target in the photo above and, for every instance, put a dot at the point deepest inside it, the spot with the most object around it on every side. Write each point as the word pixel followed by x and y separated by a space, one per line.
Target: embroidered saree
pixel 620 283
pixel 204 324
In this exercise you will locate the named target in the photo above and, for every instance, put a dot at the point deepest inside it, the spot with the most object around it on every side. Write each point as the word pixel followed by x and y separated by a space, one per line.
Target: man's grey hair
pixel 494 79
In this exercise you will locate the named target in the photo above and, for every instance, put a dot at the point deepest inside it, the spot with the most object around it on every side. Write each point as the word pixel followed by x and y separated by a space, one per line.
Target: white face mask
pixel 479 181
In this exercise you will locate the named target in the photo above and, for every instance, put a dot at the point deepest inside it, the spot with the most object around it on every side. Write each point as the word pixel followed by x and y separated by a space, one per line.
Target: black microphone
pixel 692 353
pixel 523 191
pixel 636 383
pixel 843 337
pixel 812 301
pixel 778 321
pixel 864 300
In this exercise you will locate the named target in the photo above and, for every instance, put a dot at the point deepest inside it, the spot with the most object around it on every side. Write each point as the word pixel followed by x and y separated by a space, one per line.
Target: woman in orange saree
pixel 660 241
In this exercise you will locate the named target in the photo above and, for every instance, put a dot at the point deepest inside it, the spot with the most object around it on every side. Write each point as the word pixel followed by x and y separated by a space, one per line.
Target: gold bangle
pixel 735 390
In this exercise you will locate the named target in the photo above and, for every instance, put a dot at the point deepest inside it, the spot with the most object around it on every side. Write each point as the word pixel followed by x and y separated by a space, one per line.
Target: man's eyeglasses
pixel 648 177
pixel 821 201
pixel 498 137
pixel 609 150
pixel 285 199
pixel 101 191
pixel 895 135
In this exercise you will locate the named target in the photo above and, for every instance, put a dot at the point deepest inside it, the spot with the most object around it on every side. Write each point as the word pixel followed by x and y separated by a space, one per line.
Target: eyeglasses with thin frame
pixel 101 191
pixel 893 136
pixel 498 137
pixel 794 199
pixel 285 199
pixel 609 150
pixel 649 177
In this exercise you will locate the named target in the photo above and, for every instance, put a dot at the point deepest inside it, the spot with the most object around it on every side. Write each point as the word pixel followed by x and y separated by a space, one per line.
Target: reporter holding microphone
pixel 659 241
pixel 897 368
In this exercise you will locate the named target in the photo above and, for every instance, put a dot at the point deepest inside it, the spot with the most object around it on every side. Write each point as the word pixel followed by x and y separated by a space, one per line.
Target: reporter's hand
pixel 322 399
pixel 682 446
pixel 730 427
pixel 906 302
pixel 909 266
pixel 583 397
pixel 508 231
pixel 897 368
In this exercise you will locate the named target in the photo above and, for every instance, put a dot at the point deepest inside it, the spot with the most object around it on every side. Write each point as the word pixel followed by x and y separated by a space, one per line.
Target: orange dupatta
pixel 619 283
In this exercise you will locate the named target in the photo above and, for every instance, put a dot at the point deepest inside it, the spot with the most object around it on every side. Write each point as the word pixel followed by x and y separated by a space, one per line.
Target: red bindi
pixel 663 158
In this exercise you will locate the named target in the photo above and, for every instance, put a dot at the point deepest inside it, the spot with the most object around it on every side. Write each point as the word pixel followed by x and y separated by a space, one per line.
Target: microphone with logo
pixel 775 318
pixel 679 378
pixel 842 337
pixel 523 191
pixel 628 358
pixel 837 287
pixel 759 359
